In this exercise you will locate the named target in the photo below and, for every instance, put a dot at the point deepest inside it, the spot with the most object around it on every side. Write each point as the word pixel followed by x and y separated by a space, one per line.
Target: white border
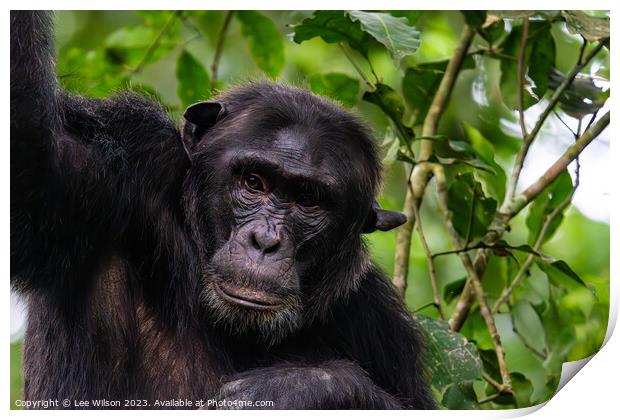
pixel 592 394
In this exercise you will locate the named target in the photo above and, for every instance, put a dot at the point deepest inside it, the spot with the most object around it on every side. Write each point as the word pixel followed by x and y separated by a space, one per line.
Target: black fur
pixel 112 226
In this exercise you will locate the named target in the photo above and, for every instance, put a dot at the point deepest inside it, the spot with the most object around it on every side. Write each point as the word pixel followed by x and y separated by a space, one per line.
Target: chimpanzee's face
pixel 280 206
pixel 274 199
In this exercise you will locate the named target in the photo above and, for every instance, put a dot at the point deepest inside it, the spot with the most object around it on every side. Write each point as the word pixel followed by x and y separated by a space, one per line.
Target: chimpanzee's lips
pixel 254 299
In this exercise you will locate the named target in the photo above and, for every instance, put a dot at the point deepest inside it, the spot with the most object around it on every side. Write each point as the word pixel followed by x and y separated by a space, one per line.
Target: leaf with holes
pixel 450 358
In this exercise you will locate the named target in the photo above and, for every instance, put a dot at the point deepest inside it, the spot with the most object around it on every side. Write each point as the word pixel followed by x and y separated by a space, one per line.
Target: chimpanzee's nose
pixel 266 239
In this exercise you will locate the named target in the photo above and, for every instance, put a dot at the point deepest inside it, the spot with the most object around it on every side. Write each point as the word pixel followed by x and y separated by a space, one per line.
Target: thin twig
pixel 155 44
pixel 219 47
pixel 426 305
pixel 357 68
pixel 521 76
pixel 491 381
pixel 490 398
pixel 563 122
pixel 431 263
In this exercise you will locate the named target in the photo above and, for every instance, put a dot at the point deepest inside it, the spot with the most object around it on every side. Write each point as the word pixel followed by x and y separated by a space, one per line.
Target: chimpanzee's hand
pixel 332 385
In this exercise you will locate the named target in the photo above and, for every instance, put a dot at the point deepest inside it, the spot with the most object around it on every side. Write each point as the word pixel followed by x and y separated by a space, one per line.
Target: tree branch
pixel 531 192
pixel 421 172
pixel 219 47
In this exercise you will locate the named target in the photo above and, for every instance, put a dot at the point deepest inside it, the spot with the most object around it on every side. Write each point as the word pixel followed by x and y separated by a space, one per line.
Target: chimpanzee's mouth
pixel 249 298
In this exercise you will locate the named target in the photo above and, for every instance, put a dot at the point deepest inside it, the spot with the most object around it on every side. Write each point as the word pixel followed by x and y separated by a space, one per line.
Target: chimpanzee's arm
pixel 381 365
pixel 83 171
pixel 335 384
pixel 374 329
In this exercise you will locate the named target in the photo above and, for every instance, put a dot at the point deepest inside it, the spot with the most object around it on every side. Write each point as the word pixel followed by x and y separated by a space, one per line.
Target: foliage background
pixel 103 51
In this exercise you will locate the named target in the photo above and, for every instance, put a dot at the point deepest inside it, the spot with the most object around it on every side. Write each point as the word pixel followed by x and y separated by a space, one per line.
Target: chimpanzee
pixel 220 261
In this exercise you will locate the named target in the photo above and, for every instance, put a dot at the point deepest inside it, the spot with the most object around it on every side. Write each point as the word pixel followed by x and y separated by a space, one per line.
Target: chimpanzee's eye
pixel 255 183
pixel 308 199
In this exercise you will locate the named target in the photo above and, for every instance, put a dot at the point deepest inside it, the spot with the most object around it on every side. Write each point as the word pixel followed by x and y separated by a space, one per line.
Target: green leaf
pixel 474 18
pixel 332 26
pixel 557 270
pixel 90 72
pixel 264 39
pixel 522 388
pixel 539 32
pixel 520 14
pixel 421 82
pixel 545 204
pixel 493 183
pixel 453 289
pixel 129 45
pixel 460 396
pixel 472 212
pixel 394 33
pixel 392 105
pixel 449 152
pixel 449 357
pixel 528 325
pixel 412 16
pixel 591 27
pixel 193 81
pixel 337 86
pixel 542 60
pixel 391 145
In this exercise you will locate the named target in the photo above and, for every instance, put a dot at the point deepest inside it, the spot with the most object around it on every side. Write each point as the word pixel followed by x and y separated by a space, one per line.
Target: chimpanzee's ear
pixel 380 219
pixel 197 119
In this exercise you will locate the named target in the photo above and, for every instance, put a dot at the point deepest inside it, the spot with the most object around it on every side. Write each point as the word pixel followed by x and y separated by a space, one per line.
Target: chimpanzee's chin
pixel 243 312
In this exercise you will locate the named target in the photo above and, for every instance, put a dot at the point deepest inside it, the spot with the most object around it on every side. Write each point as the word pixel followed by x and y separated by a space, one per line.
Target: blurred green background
pixel 98 49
